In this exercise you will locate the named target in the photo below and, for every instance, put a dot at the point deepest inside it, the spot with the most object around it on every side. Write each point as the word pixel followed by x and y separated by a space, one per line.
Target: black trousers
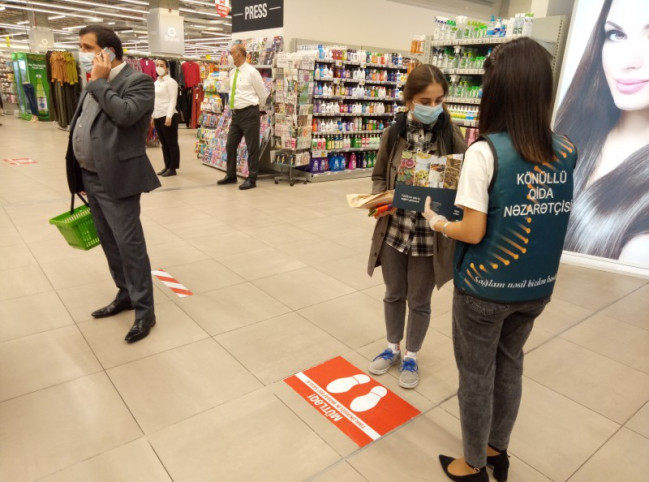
pixel 118 226
pixel 169 140
pixel 245 123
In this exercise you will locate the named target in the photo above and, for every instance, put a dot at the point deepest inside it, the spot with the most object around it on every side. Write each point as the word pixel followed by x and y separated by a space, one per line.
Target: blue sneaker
pixel 409 377
pixel 384 361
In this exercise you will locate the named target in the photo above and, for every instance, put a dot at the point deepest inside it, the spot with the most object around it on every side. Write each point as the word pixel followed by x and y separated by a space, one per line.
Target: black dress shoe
pixel 227 180
pixel 500 464
pixel 117 306
pixel 480 476
pixel 160 173
pixel 140 329
pixel 248 184
pixel 168 172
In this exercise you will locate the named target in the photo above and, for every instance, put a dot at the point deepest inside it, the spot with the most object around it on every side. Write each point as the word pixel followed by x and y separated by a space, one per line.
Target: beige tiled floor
pixel 279 282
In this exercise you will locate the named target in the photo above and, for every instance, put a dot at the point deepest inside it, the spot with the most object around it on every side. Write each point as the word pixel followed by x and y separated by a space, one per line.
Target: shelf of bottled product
pixel 362 64
pixel 462 100
pixel 351 114
pixel 320 153
pixel 470 41
pixel 465 123
pixel 463 71
pixel 347 133
pixel 338 80
pixel 351 97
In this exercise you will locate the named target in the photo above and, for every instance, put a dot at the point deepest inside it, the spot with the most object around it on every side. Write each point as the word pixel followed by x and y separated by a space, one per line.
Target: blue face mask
pixel 427 114
pixel 86 58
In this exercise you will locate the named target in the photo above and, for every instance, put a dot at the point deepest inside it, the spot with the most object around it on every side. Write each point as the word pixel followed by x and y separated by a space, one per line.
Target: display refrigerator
pixel 32 87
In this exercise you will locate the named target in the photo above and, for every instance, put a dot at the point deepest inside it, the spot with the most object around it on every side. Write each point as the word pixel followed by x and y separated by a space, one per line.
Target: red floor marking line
pixel 171 283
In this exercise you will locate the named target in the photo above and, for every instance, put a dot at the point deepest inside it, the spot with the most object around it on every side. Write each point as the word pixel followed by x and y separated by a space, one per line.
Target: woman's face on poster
pixel 625 54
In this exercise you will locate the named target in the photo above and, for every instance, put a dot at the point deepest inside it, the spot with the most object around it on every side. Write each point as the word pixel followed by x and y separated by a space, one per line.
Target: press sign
pixel 248 15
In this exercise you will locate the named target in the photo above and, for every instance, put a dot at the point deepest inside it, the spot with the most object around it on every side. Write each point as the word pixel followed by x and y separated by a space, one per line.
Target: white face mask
pixel 230 60
pixel 161 71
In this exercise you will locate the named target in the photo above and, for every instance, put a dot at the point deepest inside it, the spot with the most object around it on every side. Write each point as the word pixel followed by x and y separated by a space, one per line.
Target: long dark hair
pixel 615 208
pixel 518 96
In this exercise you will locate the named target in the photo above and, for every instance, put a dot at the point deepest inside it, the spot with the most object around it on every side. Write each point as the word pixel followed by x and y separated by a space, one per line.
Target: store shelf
pixel 461 100
pixel 463 71
pixel 362 65
pixel 347 133
pixel 336 175
pixel 470 41
pixel 465 123
pixel 337 80
pixel 351 97
pixel 347 114
pixel 320 153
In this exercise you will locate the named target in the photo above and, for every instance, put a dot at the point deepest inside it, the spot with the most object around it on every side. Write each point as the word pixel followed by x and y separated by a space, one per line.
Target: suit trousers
pixel 118 226
pixel 488 339
pixel 169 140
pixel 245 123
pixel 407 279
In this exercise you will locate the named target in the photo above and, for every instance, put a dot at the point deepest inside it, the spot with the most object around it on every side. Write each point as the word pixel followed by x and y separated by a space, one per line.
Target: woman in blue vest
pixel 516 190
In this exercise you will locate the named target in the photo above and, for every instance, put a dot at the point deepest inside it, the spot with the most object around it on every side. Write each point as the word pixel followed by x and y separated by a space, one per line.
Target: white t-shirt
pixel 476 175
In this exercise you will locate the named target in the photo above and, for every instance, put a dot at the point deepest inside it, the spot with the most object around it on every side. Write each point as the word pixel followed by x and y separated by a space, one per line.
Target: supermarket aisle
pixel 278 276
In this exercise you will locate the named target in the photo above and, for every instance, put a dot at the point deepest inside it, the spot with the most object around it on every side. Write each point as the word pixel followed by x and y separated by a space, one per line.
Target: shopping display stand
pixel 293 117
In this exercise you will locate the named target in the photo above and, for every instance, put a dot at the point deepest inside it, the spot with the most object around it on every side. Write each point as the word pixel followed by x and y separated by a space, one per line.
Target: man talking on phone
pixel 107 159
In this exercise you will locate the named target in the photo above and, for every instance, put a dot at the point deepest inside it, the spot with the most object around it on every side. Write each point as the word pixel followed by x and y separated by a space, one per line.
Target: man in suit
pixel 107 159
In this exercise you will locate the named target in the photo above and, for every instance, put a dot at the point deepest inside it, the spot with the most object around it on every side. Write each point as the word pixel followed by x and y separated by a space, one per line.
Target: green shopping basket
pixel 77 226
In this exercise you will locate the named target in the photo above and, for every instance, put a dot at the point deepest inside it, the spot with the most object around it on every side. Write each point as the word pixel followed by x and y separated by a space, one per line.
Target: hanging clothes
pixel 65 89
pixel 192 73
pixel 148 68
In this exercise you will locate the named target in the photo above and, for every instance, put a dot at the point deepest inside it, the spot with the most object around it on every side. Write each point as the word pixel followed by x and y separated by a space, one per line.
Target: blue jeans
pixel 488 339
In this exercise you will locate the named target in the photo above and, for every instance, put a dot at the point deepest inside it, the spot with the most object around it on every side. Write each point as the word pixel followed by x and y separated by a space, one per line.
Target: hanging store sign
pixel 222 7
pixel 166 32
pixel 248 15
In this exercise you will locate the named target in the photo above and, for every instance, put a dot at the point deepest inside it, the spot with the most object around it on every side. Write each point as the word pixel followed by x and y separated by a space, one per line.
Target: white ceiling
pixel 205 31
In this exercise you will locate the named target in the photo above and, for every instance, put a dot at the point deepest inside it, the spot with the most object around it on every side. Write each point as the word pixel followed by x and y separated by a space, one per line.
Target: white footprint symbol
pixel 369 401
pixel 342 385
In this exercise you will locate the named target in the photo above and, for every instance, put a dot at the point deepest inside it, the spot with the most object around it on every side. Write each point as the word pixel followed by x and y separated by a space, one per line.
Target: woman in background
pixel 165 118
pixel 606 114
pixel 516 190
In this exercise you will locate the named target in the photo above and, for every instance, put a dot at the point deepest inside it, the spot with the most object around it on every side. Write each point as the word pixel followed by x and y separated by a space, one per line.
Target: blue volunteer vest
pixel 527 218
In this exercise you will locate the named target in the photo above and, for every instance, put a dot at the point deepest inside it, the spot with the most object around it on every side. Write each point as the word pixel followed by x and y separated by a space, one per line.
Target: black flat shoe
pixel 479 476
pixel 116 306
pixel 500 464
pixel 227 180
pixel 168 172
pixel 140 329
pixel 248 184
pixel 160 173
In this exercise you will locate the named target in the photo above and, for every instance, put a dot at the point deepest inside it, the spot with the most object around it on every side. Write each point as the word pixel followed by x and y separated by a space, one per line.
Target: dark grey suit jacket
pixel 118 135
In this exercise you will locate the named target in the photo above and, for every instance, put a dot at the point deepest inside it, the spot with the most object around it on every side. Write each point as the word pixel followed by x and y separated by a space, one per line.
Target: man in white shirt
pixel 247 95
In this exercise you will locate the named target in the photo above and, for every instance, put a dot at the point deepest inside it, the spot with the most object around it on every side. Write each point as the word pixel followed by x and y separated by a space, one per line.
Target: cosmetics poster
pixel 603 107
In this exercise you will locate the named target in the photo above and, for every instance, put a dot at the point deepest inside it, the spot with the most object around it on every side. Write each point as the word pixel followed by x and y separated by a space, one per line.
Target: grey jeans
pixel 488 339
pixel 407 278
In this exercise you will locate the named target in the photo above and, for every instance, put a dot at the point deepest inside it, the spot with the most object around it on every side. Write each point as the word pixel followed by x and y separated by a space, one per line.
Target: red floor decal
pixel 172 283
pixel 357 404
pixel 19 160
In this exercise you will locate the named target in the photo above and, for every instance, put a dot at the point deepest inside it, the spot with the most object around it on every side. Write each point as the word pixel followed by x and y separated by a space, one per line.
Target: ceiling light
pixel 56 17
pixel 199 12
pixel 28 9
pixel 85 2
pixel 29 3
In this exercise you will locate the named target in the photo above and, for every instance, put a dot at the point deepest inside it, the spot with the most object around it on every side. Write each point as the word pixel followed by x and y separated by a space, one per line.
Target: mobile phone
pixel 111 54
